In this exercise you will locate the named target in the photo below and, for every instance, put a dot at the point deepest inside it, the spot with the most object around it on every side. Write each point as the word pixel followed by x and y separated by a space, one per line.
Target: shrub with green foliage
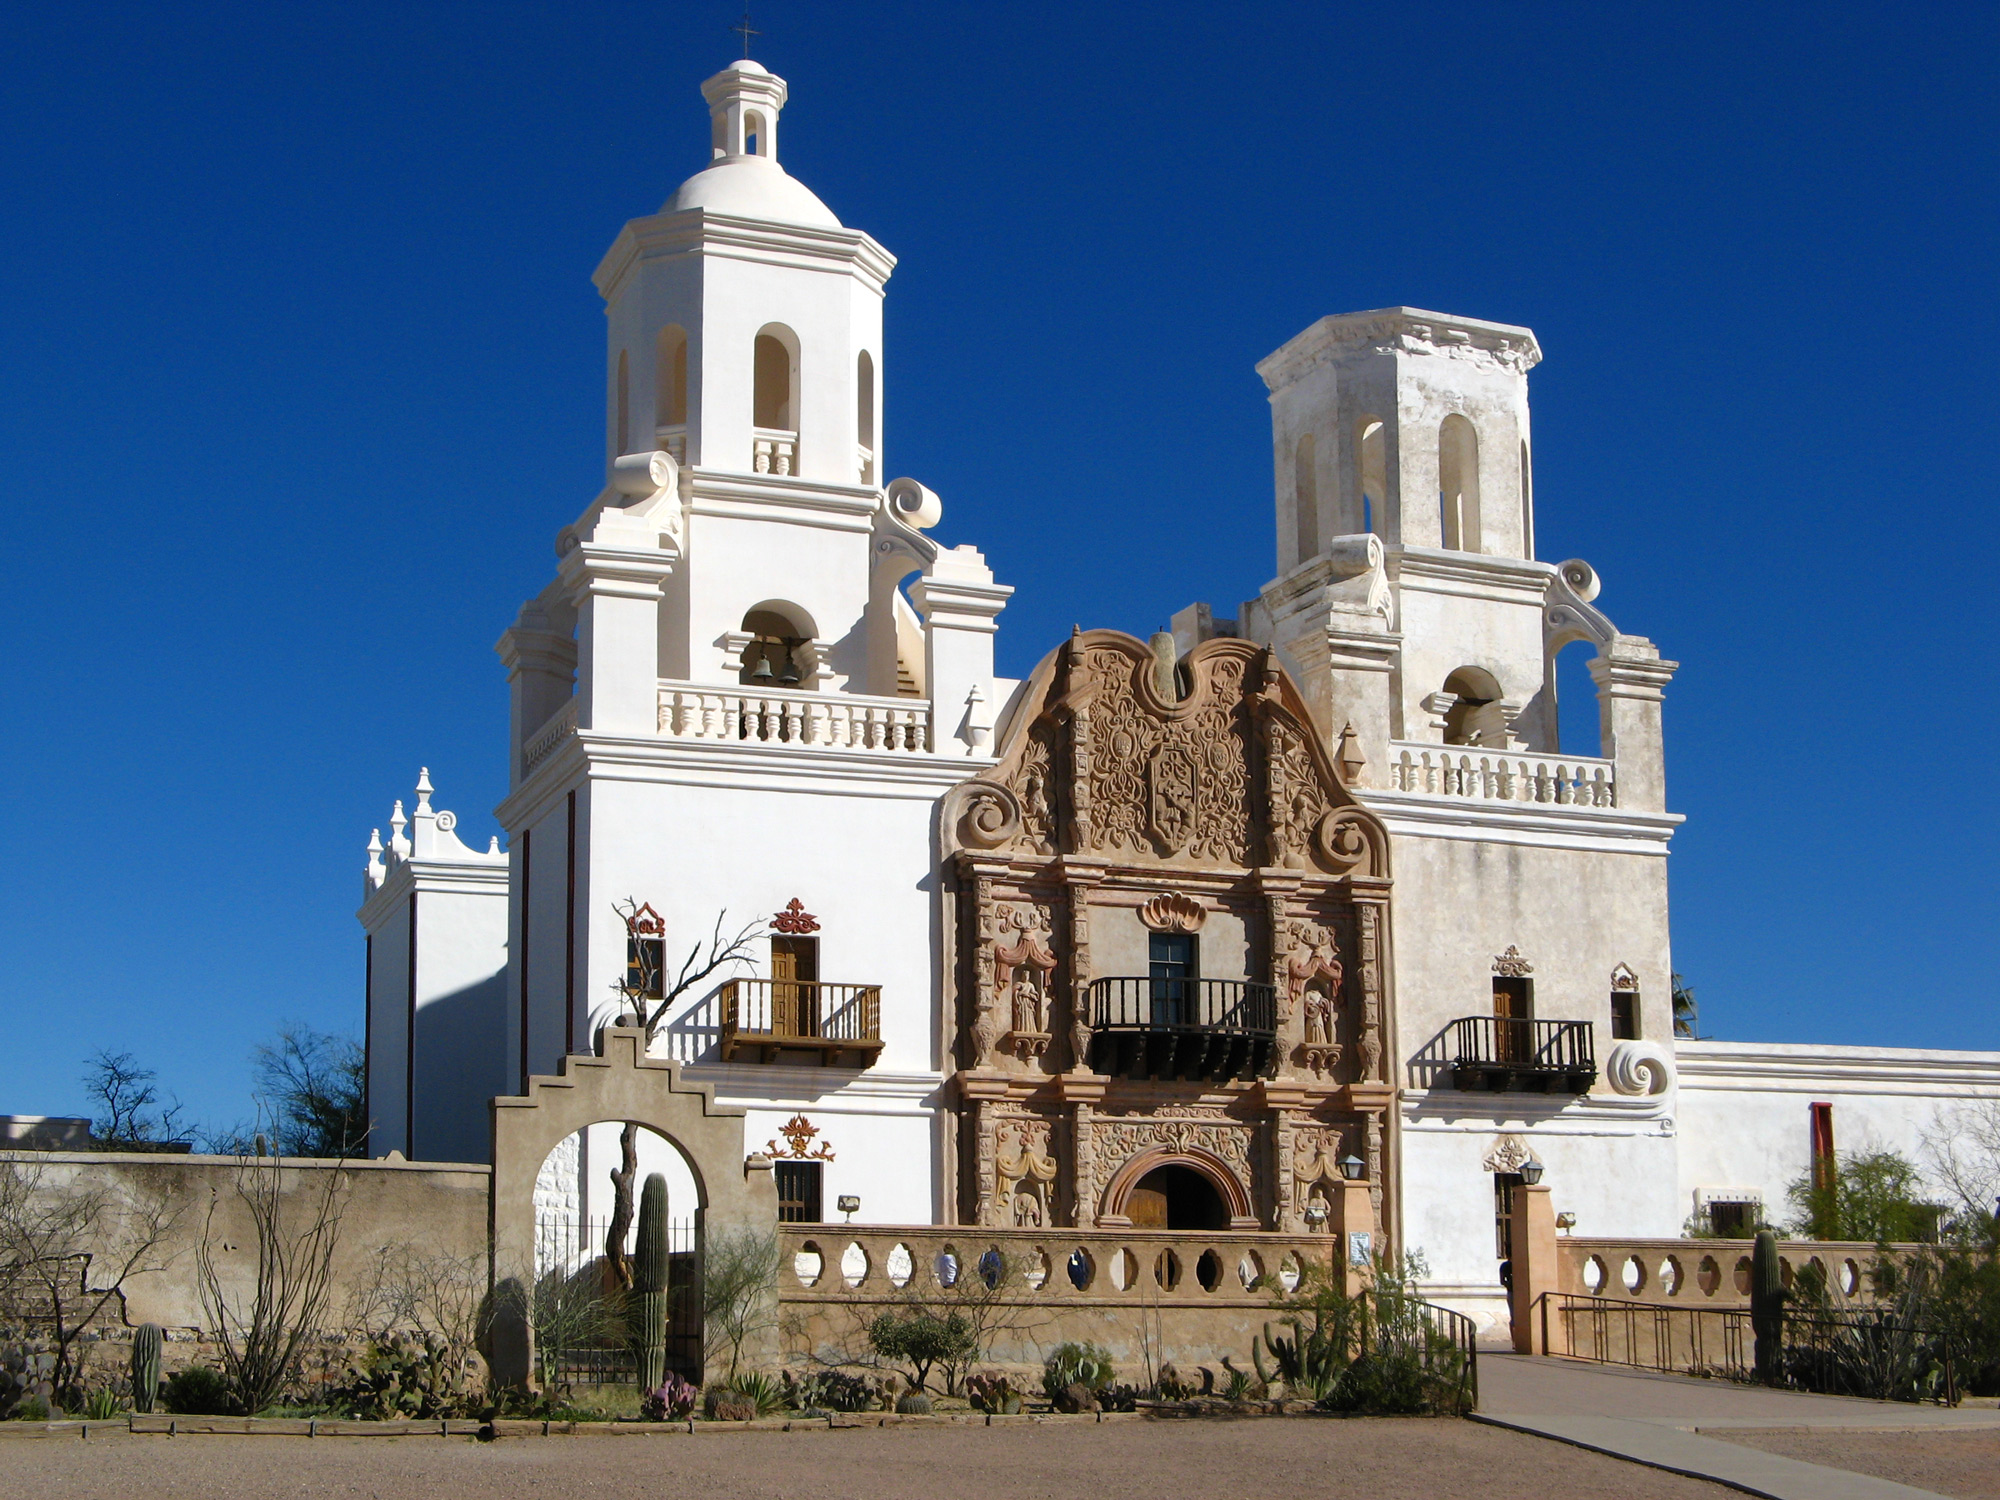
pixel 761 1391
pixel 408 1375
pixel 1084 1364
pixel 920 1337
pixel 199 1391
pixel 1872 1195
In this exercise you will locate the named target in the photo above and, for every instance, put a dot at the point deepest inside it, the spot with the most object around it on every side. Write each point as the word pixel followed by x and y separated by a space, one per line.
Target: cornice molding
pixel 700 231
pixel 1605 830
pixel 1405 331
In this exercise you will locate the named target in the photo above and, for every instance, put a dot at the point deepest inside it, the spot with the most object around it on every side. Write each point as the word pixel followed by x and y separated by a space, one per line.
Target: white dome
pixel 752 187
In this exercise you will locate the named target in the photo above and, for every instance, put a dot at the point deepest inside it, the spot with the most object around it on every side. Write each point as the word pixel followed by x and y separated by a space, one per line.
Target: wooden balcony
pixel 1495 1054
pixel 1208 1029
pixel 800 1022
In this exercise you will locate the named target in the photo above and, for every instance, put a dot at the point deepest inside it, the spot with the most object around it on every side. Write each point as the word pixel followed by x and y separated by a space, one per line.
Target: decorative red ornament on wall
pixel 795 919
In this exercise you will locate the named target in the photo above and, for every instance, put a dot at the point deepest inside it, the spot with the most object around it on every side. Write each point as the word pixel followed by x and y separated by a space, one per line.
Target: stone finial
pixel 377 872
pixel 423 791
pixel 1347 757
pixel 398 845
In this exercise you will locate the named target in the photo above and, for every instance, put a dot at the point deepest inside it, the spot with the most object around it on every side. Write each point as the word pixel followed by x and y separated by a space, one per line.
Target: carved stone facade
pixel 1120 808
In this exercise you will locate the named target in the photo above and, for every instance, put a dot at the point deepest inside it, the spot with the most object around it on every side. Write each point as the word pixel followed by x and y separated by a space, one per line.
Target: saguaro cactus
pixel 1767 1304
pixel 147 1342
pixel 649 1285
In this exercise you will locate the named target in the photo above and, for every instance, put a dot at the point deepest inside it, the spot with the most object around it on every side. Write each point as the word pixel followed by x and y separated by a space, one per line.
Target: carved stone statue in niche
pixel 1316 1170
pixel 1021 969
pixel 1024 1172
pixel 1313 975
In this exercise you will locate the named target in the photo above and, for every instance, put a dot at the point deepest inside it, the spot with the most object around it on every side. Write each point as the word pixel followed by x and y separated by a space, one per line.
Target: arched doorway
pixel 583 1254
pixel 1175 1197
pixel 1166 1188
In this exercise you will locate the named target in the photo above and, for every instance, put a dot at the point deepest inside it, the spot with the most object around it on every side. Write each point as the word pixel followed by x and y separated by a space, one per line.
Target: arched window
pixel 670 387
pixel 624 399
pixel 864 416
pixel 1473 713
pixel 1371 467
pixel 774 402
pixel 753 134
pixel 1305 498
pixel 773 376
pixel 1579 725
pixel 1458 484
pixel 779 652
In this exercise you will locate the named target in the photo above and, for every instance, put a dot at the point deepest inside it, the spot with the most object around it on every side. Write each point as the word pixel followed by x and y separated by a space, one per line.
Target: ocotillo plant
pixel 146 1343
pixel 1767 1305
pixel 649 1285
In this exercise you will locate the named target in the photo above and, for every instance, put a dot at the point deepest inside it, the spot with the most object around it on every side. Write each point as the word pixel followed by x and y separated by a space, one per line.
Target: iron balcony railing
pixel 839 1025
pixel 1498 1054
pixel 1182 1028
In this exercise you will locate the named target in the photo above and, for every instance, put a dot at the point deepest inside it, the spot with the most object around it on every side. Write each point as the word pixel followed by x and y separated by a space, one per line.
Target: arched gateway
pixel 734 1188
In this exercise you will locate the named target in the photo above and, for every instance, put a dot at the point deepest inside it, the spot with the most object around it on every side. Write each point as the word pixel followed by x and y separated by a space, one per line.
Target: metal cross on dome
pixel 746 29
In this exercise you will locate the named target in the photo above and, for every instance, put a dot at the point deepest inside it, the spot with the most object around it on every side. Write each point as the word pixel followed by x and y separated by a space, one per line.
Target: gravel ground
pixel 1244 1460
pixel 1965 1465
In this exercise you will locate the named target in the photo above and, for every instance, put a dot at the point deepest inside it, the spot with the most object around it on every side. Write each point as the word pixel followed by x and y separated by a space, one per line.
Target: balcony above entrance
pixel 801 1022
pixel 1204 1029
pixel 1499 1054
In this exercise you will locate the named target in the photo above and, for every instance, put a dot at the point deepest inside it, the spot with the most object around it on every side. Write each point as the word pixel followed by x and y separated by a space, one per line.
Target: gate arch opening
pixel 1189 1189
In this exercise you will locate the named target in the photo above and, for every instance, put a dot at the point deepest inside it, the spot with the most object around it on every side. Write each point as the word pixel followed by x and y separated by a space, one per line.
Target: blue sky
pixel 302 371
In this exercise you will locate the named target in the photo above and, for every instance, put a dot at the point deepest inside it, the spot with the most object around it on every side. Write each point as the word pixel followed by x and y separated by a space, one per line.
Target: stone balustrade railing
pixel 1075 1267
pixel 542 743
pixel 1703 1272
pixel 774 452
pixel 835 721
pixel 1502 775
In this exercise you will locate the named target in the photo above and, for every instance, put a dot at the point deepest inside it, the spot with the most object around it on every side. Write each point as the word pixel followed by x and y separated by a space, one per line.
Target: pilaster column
pixel 615 578
pixel 1532 1237
pixel 541 669
pixel 960 604
pixel 1631 682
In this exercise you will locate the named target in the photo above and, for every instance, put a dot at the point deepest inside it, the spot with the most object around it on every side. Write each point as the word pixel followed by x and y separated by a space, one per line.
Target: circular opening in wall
pixel 1850 1278
pixel 1080 1269
pixel 992 1267
pixel 1167 1271
pixel 1290 1273
pixel 1035 1269
pixel 1786 1273
pixel 1208 1270
pixel 1249 1270
pixel 1633 1274
pixel 1594 1275
pixel 1708 1276
pixel 945 1268
pixel 1124 1269
pixel 899 1266
pixel 1742 1277
pixel 1670 1276
pixel 854 1264
pixel 809 1264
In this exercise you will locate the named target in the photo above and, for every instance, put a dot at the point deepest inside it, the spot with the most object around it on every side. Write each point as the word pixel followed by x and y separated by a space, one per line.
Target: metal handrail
pixel 1204 1004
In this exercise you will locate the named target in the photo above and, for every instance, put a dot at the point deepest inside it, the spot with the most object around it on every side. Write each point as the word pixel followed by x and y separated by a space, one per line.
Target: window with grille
pixel 798 1191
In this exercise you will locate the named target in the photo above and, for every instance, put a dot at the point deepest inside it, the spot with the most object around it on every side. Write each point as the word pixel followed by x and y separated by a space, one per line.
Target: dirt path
pixel 1246 1460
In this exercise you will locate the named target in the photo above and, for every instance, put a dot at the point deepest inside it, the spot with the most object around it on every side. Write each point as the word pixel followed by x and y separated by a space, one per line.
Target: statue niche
pixel 1021 970
pixel 1313 975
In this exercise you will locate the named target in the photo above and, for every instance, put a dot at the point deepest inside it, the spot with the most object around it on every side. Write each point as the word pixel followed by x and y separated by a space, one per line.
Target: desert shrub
pixel 1084 1364
pixel 761 1391
pixel 411 1375
pixel 199 1391
pixel 1872 1195
pixel 103 1405
pixel 992 1393
pixel 27 1373
pixel 1119 1398
pixel 834 1390
pixel 920 1337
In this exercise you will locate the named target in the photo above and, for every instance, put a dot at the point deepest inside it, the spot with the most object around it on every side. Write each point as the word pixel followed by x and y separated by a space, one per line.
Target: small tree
pixel 129 1114
pixel 739 1271
pixel 1870 1195
pixel 57 1237
pixel 920 1337
pixel 651 992
pixel 314 1085
pixel 259 1336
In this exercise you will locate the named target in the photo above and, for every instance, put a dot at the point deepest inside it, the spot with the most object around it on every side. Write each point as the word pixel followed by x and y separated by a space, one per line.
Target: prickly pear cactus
pixel 1767 1304
pixel 27 1374
pixel 147 1343
pixel 649 1285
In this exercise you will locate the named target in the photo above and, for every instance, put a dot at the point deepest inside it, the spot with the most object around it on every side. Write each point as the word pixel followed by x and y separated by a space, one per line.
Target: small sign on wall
pixel 1360 1248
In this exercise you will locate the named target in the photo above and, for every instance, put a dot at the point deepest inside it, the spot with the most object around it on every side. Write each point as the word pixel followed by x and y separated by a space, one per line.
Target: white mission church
pixel 1180 933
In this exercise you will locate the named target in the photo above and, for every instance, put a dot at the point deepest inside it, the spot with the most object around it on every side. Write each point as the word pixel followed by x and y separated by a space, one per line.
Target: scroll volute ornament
pixel 1170 911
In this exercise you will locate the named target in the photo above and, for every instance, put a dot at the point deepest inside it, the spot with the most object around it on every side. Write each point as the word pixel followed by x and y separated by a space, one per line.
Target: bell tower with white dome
pixel 745 322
